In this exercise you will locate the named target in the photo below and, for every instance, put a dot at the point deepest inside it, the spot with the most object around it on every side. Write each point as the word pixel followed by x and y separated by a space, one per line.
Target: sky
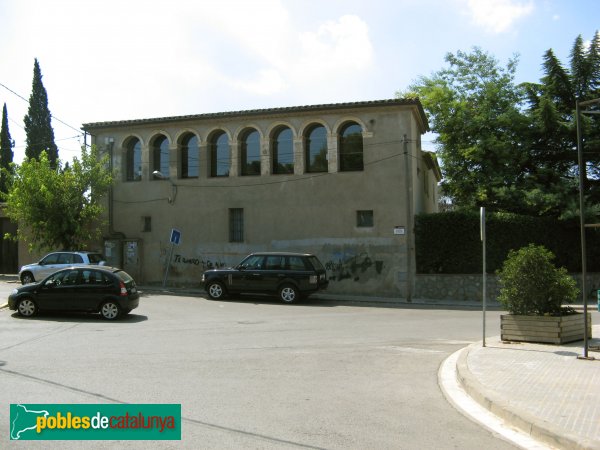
pixel 105 60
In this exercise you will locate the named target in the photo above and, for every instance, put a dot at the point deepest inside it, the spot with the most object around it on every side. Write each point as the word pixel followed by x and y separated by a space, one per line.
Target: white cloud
pixel 284 57
pixel 336 48
pixel 498 16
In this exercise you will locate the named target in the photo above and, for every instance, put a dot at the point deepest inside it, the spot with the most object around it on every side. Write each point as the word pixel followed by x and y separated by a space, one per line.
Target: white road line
pixel 457 396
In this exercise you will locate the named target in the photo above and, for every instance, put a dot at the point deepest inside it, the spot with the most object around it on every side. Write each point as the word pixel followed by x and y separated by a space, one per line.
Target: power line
pixel 52 115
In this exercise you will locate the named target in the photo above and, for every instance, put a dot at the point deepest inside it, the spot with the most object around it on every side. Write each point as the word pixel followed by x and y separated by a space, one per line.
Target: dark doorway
pixel 9 252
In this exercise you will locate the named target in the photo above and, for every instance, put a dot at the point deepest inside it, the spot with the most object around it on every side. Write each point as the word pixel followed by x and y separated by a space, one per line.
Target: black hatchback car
pixel 290 276
pixel 107 290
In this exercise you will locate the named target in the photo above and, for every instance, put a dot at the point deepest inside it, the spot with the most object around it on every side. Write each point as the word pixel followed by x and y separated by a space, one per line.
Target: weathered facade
pixel 342 181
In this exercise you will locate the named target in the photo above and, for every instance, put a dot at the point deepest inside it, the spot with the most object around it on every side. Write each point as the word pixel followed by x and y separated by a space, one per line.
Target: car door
pixel 47 266
pixel 274 272
pixel 297 269
pixel 95 286
pixel 58 291
pixel 250 273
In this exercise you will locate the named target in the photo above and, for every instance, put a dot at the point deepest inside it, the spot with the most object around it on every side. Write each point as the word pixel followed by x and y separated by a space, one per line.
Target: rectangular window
pixel 236 225
pixel 147 224
pixel 364 219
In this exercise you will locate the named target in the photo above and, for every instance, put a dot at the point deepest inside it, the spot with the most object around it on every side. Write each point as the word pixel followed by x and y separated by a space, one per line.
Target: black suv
pixel 290 276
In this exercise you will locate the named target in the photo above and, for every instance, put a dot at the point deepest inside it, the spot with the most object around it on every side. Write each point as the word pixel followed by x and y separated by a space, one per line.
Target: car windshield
pixel 95 258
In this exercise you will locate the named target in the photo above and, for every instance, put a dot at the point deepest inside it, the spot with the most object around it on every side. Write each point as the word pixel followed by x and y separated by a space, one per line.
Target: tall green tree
pixel 56 207
pixel 6 152
pixel 551 105
pixel 473 105
pixel 38 127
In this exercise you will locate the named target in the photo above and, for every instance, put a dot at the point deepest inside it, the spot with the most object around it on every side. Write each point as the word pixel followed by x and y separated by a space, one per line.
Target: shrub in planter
pixel 530 283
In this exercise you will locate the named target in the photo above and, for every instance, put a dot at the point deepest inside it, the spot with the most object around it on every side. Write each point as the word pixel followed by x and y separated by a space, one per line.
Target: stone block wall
pixel 469 287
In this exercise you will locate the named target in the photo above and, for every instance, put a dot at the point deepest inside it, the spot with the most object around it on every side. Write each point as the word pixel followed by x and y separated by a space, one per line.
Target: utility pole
pixel 582 173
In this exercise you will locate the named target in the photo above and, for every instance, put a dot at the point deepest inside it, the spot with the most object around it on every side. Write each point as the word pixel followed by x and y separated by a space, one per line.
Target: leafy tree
pixel 551 105
pixel 6 153
pixel 40 135
pixel 58 208
pixel 474 108
pixel 513 148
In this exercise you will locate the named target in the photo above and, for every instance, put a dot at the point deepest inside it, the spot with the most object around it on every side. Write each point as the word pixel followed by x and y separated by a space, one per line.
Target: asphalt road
pixel 252 373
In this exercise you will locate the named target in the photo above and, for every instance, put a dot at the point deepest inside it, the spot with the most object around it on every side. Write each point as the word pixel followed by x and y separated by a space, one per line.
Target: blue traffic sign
pixel 175 236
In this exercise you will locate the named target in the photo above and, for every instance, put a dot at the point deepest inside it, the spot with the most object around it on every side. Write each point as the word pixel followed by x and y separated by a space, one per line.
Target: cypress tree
pixel 6 153
pixel 40 135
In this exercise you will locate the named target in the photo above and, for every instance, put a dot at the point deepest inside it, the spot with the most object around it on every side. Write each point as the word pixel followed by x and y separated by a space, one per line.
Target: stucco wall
pixel 303 212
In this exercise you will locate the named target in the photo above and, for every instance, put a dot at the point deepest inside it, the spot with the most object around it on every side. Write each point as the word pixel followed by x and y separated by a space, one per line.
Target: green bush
pixel 530 283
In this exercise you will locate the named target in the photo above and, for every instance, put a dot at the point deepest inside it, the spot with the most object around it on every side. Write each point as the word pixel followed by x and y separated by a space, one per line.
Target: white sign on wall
pixel 400 230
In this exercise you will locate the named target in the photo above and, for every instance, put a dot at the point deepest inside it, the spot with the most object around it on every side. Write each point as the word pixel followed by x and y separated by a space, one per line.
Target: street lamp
pixel 159 176
pixel 582 173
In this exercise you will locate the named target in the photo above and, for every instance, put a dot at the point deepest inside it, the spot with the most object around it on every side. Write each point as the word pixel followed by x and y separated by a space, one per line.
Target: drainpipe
pixel 409 220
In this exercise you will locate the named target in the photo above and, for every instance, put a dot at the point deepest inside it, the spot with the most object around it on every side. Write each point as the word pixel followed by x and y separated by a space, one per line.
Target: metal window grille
pixel 236 225
pixel 364 218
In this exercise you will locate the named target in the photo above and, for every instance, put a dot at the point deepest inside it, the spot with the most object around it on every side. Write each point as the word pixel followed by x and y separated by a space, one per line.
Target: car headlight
pixel 15 291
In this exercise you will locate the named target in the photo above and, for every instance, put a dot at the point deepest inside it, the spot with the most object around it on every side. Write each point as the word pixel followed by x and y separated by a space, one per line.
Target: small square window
pixel 364 219
pixel 147 224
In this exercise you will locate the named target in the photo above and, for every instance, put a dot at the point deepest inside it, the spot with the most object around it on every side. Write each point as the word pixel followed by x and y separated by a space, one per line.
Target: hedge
pixel 450 242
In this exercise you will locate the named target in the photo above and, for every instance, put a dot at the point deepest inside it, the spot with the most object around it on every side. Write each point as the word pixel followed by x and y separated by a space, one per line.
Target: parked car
pixel 107 290
pixel 290 276
pixel 56 261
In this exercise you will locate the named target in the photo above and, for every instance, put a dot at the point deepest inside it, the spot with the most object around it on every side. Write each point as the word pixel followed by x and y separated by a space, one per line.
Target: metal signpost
pixel 482 227
pixel 175 239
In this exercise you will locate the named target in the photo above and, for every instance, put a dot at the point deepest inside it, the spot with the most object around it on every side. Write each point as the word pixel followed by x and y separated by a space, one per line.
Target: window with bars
pixel 364 219
pixel 236 225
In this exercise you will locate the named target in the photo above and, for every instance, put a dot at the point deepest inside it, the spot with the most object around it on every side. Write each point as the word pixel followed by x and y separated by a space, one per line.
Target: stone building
pixel 342 181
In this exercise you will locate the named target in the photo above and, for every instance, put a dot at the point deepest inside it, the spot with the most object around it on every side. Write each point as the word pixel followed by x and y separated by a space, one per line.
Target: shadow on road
pixel 80 317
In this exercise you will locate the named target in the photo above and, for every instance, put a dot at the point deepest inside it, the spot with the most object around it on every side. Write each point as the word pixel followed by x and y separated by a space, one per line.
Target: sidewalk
pixel 544 390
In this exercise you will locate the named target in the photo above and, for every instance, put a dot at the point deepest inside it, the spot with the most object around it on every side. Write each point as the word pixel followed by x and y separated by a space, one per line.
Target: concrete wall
pixel 304 212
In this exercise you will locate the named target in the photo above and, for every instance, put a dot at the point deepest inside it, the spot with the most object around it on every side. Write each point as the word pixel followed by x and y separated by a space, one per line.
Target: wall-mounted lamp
pixel 159 176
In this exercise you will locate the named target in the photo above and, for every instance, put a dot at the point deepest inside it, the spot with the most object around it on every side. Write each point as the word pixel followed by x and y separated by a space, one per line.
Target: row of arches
pixel 280 144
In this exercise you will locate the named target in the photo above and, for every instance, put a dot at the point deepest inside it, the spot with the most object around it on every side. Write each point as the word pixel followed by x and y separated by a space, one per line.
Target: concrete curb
pixel 538 429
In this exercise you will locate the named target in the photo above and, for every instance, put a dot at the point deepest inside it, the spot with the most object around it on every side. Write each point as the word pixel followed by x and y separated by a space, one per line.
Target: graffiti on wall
pixel 353 267
pixel 206 264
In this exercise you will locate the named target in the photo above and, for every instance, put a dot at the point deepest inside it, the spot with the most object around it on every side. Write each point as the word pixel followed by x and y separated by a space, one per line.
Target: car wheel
pixel 215 290
pixel 27 307
pixel 288 293
pixel 27 277
pixel 110 310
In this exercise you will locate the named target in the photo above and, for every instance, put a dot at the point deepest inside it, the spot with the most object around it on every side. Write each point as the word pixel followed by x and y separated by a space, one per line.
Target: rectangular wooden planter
pixel 544 329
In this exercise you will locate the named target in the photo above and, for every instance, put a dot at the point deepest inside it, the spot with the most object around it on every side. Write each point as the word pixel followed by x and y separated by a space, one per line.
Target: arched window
pixel 160 155
pixel 133 160
pixel 189 158
pixel 351 147
pixel 219 155
pixel 283 151
pixel 251 153
pixel 315 146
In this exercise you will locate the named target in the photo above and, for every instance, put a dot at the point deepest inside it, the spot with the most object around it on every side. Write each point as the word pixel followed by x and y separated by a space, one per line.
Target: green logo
pixel 95 422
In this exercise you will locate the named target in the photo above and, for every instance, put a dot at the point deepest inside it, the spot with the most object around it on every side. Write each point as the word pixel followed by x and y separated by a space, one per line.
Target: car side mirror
pixel 50 284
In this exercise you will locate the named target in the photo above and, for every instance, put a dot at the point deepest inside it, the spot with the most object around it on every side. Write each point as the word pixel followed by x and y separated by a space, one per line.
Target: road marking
pixel 409 349
pixel 457 397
